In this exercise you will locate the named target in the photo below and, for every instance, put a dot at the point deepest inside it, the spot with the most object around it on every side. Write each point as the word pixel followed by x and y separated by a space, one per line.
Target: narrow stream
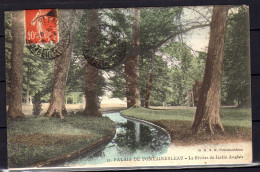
pixel 132 139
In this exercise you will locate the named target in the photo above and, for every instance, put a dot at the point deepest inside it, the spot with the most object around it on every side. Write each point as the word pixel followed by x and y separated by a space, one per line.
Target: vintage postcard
pixel 156 87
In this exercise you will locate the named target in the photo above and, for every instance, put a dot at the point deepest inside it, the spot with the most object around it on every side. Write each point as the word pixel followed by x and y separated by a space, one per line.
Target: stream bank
pixel 133 139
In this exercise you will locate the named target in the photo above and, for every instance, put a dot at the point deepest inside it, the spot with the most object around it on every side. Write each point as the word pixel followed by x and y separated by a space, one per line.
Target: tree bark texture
pixel 61 65
pixel 91 81
pixel 207 117
pixel 15 97
pixel 131 66
pixel 91 72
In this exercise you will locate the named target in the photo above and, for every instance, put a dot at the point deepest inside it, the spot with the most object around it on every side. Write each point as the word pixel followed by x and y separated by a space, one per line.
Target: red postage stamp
pixel 41 26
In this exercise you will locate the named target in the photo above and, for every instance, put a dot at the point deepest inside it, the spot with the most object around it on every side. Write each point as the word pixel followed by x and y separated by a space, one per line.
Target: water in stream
pixel 132 140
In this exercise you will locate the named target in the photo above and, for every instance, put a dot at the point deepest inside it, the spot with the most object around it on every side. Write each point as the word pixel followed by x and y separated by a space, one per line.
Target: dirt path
pixel 171 107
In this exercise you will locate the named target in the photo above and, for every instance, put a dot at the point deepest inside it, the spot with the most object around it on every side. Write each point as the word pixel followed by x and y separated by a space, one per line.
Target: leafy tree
pixel 76 76
pixel 131 66
pixel 117 83
pixel 15 95
pixel 155 27
pixel 123 20
pixel 161 84
pixel 207 117
pixel 156 31
pixel 160 31
pixel 181 73
pixel 181 68
pixel 40 73
pixel 236 75
pixel 75 81
pixel 35 75
pixel 62 63
pixel 91 72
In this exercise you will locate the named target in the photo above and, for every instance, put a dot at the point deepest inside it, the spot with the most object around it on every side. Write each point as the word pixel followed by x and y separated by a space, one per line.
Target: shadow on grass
pixel 236 123
pixel 180 136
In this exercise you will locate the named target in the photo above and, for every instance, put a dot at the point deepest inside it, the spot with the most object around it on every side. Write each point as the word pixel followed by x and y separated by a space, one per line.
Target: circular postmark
pixel 43 38
pixel 105 46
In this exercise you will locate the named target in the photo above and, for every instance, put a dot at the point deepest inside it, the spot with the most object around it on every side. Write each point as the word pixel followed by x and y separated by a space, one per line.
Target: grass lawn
pixel 35 139
pixel 236 122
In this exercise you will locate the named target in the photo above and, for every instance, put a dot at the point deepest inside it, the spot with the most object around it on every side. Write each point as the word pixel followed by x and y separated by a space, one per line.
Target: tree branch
pixel 156 47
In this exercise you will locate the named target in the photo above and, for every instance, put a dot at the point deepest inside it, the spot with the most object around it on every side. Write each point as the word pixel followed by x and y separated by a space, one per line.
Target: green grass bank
pixel 236 122
pixel 36 139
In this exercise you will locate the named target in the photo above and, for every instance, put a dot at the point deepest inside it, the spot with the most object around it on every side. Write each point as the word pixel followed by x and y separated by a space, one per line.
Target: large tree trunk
pixel 149 84
pixel 91 80
pixel 207 117
pixel 61 65
pixel 131 66
pixel 15 97
pixel 91 72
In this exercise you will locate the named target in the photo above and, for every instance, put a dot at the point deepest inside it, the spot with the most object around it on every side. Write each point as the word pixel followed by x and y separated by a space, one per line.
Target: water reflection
pixel 139 136
pixel 132 139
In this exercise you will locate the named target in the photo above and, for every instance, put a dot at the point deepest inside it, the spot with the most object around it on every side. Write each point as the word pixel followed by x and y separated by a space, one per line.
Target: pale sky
pixel 197 39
